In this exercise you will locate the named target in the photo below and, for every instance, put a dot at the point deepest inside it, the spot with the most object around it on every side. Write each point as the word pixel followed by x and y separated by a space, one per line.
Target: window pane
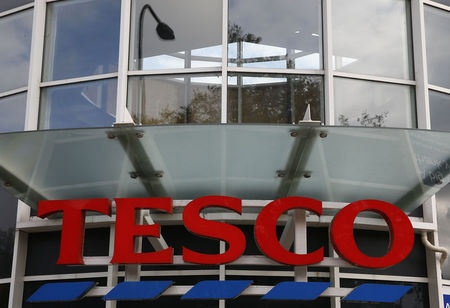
pixel 275 34
pixel 44 248
pixel 256 302
pixel 372 37
pixel 15 37
pixel 376 244
pixel 7 231
pixel 12 113
pixel 443 216
pixel 437 29
pixel 89 104
pixel 269 98
pixel 197 26
pixel 440 114
pixel 11 4
pixel 446 2
pixel 175 99
pixel 4 295
pixel 375 104
pixel 440 111
pixel 82 38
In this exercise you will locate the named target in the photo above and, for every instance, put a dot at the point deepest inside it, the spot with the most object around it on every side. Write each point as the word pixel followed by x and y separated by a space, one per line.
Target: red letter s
pixel 213 229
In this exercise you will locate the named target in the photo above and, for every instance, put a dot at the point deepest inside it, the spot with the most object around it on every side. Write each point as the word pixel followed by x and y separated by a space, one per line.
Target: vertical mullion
pixel 433 266
pixel 300 243
pixel 222 272
pixel 35 71
pixel 224 98
pixel 328 61
pixel 420 64
pixel 334 277
pixel 327 34
pixel 19 259
pixel 424 121
pixel 122 114
pixel 113 269
pixel 31 123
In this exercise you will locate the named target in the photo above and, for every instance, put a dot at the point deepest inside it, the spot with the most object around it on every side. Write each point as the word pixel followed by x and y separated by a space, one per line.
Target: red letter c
pixel 266 235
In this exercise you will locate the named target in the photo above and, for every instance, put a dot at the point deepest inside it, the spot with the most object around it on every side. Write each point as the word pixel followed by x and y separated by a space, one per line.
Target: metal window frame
pixel 35 84
pixel 17 9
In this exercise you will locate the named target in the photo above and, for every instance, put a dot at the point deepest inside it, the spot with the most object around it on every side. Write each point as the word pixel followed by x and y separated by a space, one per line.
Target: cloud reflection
pixel 376 34
pixel 15 35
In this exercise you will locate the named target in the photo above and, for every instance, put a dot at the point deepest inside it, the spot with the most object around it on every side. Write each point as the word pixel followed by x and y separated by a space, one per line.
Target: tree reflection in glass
pixel 7 229
pixel 373 104
pixel 175 99
pixel 267 98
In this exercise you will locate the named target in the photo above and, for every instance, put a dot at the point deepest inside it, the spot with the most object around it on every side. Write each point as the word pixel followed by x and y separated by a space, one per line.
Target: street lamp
pixel 163 30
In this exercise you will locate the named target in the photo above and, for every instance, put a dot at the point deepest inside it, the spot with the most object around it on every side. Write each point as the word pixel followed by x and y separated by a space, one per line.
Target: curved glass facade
pixel 12 4
pixel 372 37
pixel 101 63
pixel 82 38
pixel 282 34
pixel 15 34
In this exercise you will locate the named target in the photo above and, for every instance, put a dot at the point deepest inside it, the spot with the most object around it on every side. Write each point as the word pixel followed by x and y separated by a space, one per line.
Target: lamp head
pixel 164 31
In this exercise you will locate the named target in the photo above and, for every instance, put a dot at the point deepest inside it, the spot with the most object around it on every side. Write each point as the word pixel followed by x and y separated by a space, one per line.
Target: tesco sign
pixel 341 231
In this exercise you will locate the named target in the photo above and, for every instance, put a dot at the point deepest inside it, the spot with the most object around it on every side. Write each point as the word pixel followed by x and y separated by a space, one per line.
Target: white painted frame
pixel 35 84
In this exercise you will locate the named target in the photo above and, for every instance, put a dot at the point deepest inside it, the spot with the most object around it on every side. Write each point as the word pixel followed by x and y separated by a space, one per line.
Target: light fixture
pixel 163 30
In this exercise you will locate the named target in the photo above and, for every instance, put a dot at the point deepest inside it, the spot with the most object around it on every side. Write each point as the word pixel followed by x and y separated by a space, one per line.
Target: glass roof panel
pixel 342 164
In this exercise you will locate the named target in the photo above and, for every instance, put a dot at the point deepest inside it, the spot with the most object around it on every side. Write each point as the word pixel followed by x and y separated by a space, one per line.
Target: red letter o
pixel 400 228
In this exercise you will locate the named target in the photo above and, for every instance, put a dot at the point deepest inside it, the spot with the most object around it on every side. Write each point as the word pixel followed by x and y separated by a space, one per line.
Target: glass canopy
pixel 343 164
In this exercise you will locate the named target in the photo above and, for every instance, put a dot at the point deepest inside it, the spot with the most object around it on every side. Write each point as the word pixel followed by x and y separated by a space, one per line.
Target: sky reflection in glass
pixel 89 104
pixel 15 38
pixel 82 38
pixel 197 25
pixel 275 34
pixel 372 37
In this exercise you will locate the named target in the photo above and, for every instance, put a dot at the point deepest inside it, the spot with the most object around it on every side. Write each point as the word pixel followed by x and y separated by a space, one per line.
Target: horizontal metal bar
pixel 285 71
pixel 439 89
pixel 5 280
pixel 170 273
pixel 250 291
pixel 374 78
pixel 243 260
pixel 36 224
pixel 197 58
pixel 65 276
pixel 383 277
pixel 336 292
pixel 78 80
pixel 180 71
pixel 13 92
pixel 17 9
pixel 99 291
pixel 437 5
pixel 273 273
pixel 375 224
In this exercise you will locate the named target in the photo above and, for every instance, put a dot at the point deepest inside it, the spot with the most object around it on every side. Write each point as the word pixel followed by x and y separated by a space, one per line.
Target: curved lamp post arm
pixel 163 30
